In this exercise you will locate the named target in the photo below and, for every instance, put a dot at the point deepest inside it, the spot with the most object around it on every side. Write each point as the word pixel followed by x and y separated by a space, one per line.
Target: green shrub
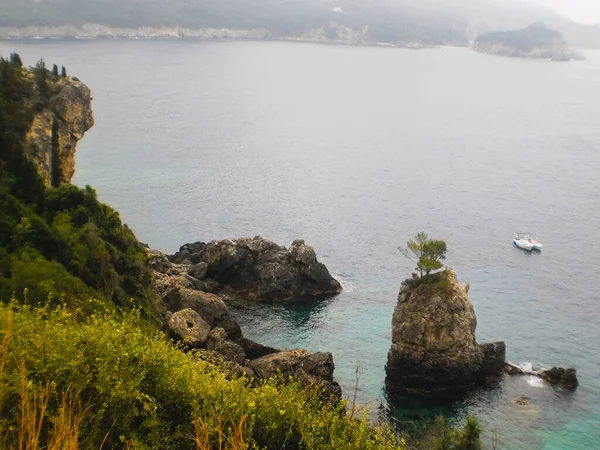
pixel 141 390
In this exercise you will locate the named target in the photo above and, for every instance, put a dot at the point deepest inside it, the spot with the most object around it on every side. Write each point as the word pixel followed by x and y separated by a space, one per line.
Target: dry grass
pixel 224 442
pixel 33 424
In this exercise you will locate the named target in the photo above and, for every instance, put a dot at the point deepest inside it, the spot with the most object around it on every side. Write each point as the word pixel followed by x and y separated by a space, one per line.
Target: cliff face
pixel 56 129
pixel 434 352
pixel 535 42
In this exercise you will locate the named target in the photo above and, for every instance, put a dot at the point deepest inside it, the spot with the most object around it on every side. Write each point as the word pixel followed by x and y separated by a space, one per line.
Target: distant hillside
pixel 399 22
pixel 536 41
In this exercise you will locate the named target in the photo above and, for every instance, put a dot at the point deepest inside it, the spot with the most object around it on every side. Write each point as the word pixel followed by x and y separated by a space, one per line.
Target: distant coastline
pixel 343 36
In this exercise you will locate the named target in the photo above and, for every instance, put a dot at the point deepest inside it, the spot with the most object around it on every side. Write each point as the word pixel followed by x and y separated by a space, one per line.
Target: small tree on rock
pixel 55 71
pixel 63 72
pixel 425 252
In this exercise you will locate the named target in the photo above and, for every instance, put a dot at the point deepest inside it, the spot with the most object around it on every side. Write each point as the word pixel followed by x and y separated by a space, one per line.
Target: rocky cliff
pixel 535 42
pixel 58 125
pixel 434 352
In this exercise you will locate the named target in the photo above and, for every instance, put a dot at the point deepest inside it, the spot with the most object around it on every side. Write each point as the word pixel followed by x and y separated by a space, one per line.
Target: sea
pixel 355 150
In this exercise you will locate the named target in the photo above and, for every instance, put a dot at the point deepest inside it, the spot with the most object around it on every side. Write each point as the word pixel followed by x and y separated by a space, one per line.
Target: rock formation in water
pixel 56 129
pixel 434 353
pixel 258 269
pixel 193 311
pixel 537 42
pixel 565 379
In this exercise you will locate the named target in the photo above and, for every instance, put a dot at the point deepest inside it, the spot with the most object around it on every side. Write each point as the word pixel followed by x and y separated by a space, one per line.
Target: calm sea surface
pixel 355 150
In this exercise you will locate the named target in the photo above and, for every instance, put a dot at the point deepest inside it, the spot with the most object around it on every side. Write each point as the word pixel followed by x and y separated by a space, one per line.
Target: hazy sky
pixel 586 11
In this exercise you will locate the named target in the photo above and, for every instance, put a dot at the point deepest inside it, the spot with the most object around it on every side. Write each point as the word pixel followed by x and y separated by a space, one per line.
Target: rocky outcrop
pixel 301 365
pixel 535 42
pixel 434 352
pixel 564 379
pixel 260 270
pixel 210 307
pixel 56 129
pixel 202 320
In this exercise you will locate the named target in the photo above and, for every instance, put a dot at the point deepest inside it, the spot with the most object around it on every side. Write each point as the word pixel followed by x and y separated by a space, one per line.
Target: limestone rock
pixel 316 368
pixel 188 253
pixel 293 362
pixel 258 269
pixel 187 325
pixel 218 342
pixel 69 116
pixel 434 352
pixel 198 271
pixel 210 307
pixel 159 262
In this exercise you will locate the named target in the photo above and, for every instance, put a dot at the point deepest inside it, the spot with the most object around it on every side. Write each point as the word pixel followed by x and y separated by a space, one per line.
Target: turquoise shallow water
pixel 355 150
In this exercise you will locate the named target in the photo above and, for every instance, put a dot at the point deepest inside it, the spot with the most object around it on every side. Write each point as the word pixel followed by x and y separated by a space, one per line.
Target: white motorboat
pixel 522 241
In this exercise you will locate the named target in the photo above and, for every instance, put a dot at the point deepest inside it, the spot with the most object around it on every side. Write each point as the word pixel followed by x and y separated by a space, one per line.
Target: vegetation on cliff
pixel 59 242
pixel 425 252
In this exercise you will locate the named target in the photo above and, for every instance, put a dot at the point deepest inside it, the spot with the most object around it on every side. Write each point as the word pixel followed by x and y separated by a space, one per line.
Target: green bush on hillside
pixel 142 391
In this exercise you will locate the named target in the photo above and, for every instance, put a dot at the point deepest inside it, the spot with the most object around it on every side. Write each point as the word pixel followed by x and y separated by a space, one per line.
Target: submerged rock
pixel 434 352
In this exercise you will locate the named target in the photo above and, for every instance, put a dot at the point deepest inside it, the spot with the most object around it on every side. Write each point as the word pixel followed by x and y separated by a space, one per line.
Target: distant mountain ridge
pixel 396 22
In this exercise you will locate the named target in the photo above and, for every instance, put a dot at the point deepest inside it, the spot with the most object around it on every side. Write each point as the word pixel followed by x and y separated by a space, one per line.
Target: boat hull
pixel 523 245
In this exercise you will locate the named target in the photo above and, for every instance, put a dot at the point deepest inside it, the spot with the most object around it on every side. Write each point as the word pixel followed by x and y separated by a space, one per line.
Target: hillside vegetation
pixel 58 243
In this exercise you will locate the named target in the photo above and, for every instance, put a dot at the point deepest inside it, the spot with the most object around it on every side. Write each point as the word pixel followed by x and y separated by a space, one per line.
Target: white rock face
pixel 91 31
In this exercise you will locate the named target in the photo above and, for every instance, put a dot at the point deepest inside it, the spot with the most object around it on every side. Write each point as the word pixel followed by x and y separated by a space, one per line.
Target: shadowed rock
pixel 218 342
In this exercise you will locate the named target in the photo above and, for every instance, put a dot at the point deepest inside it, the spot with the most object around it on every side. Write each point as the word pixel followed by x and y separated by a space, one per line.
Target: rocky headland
pixel 58 124
pixel 195 283
pixel 257 269
pixel 535 42
pixel 434 353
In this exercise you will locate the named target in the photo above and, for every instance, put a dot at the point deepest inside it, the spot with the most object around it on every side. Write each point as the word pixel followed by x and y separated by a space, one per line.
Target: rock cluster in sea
pixel 194 283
